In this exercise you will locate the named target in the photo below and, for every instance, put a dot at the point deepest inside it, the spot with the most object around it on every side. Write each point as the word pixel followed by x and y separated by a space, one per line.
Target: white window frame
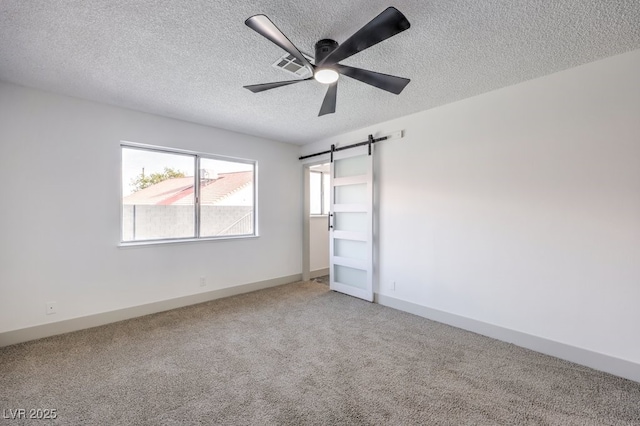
pixel 197 157
pixel 323 189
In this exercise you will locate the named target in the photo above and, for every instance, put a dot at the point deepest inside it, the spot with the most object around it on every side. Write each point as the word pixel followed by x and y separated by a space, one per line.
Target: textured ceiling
pixel 190 59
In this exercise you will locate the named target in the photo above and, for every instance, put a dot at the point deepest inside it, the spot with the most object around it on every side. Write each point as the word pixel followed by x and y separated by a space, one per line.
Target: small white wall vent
pixel 293 66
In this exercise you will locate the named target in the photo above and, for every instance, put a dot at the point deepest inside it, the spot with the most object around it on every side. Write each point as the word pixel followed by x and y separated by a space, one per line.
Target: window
pixel 319 189
pixel 176 195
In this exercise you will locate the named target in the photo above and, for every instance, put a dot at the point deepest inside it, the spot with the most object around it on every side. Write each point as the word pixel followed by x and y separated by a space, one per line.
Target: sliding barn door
pixel 351 223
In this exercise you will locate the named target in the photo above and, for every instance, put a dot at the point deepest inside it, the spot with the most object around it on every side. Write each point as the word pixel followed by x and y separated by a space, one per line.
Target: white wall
pixel 60 211
pixel 319 243
pixel 520 207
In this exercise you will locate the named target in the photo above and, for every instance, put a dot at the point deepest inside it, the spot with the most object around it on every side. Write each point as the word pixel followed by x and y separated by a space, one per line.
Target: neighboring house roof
pixel 180 190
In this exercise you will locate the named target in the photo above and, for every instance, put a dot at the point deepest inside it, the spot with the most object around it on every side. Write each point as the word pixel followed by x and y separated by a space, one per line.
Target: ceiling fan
pixel 328 54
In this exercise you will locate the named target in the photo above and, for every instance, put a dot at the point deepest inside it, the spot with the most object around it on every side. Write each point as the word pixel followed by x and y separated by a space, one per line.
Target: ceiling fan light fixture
pixel 326 76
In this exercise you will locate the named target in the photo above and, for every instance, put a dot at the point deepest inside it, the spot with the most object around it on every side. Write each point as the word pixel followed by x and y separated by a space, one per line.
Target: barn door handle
pixel 329 216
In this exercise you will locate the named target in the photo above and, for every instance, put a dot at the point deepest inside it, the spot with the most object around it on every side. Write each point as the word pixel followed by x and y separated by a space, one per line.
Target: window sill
pixel 125 244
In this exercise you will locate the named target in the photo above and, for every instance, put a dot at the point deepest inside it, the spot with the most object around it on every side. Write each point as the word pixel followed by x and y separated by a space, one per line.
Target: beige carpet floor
pixel 301 354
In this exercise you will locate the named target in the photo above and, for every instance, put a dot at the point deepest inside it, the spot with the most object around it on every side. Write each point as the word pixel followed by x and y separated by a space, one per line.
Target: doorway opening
pixel 319 205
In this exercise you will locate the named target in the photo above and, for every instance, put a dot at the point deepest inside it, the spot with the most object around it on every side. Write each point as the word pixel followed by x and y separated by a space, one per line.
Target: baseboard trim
pixel 319 273
pixel 66 326
pixel 609 364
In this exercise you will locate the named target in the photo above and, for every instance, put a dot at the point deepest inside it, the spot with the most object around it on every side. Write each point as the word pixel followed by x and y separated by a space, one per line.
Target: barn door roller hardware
pixel 370 141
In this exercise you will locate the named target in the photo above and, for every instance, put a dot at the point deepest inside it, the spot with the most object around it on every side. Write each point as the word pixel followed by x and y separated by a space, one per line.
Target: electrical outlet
pixel 52 308
pixel 203 281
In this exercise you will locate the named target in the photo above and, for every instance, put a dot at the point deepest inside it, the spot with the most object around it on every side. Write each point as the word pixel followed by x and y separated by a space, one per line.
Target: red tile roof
pixel 180 190
pixel 226 184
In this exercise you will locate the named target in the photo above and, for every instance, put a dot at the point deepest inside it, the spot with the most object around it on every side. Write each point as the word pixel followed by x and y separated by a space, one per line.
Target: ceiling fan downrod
pixel 323 48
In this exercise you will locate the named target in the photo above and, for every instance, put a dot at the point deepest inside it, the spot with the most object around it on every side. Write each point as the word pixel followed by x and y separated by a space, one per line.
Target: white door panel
pixel 351 223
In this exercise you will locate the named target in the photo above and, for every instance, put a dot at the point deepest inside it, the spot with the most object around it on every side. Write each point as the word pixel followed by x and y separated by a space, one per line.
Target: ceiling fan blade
pixel 390 83
pixel 255 88
pixel 263 26
pixel 387 24
pixel 329 103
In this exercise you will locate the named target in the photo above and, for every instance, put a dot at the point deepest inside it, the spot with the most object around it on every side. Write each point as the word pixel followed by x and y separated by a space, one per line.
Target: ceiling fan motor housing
pixel 323 48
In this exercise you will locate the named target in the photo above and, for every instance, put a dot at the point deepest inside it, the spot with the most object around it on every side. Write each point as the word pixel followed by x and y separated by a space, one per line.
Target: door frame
pixel 306 210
